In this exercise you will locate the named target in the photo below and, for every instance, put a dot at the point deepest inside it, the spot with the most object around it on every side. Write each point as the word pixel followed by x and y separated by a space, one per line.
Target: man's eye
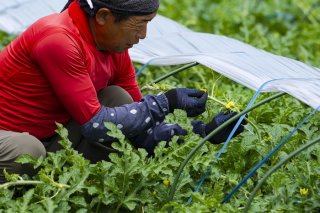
pixel 140 27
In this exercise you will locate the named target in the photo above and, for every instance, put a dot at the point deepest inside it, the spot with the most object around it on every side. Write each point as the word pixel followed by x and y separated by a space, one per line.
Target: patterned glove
pixel 191 100
pixel 161 132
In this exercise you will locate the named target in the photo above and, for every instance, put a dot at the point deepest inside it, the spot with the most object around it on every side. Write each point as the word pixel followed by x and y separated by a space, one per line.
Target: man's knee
pixel 15 146
pixel 28 144
pixel 112 96
pixel 19 144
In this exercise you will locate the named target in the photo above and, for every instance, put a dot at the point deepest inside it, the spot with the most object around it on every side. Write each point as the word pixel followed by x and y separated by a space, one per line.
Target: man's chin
pixel 117 50
pixel 122 50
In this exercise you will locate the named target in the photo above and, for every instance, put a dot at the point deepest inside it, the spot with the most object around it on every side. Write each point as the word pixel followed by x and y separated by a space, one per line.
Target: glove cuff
pixel 171 96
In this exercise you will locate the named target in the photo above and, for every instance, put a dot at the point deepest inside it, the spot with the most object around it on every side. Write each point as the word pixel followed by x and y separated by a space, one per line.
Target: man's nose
pixel 143 33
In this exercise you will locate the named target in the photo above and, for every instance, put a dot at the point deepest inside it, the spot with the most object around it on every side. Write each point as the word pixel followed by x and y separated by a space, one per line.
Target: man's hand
pixel 218 120
pixel 191 100
pixel 161 132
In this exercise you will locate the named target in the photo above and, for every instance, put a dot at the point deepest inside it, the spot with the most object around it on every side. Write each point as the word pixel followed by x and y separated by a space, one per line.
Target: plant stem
pixel 255 128
pixel 98 207
pixel 276 167
pixel 220 128
pixel 58 185
pixel 118 207
pixel 50 198
pixel 174 72
pixel 124 187
pixel 20 182
pixel 216 100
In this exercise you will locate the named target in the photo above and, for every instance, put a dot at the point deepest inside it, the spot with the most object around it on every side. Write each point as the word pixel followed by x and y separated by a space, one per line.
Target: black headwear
pixel 126 7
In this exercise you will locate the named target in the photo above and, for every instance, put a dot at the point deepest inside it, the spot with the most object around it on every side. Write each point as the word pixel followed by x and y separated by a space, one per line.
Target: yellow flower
pixel 230 105
pixel 303 191
pixel 166 182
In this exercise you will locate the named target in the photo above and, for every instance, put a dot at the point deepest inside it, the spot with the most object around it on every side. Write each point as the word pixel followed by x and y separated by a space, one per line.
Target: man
pixel 73 68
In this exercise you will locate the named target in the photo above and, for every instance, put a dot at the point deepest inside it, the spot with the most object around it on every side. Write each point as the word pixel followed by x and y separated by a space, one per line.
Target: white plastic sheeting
pixel 169 43
pixel 17 15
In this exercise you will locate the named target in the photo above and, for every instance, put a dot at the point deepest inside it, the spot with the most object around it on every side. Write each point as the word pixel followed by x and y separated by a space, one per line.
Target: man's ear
pixel 103 15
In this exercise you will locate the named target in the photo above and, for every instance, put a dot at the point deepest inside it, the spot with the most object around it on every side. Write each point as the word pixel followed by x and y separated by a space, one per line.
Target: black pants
pixel 111 96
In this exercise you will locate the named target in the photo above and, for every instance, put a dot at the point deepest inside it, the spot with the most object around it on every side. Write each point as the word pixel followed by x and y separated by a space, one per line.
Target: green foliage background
pixel 67 182
pixel 282 27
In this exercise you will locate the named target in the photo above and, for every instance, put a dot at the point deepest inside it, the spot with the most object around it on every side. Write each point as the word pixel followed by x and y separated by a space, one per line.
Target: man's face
pixel 120 36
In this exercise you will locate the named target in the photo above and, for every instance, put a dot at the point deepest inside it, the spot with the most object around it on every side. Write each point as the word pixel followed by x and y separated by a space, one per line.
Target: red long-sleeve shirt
pixel 53 71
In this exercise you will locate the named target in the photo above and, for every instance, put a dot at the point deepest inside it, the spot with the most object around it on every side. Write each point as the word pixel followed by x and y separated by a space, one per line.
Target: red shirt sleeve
pixel 126 76
pixel 63 62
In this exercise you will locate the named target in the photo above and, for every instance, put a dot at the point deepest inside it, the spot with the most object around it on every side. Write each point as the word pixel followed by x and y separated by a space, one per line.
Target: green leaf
pixel 78 201
pixel 23 207
pixel 51 207
pixel 23 159
pixel 130 205
pixel 114 131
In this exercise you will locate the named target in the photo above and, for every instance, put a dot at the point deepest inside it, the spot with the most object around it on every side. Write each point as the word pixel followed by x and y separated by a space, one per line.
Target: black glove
pixel 191 100
pixel 161 132
pixel 219 119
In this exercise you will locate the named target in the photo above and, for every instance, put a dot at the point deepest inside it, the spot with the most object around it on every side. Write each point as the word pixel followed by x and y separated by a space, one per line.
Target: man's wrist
pixel 163 102
pixel 171 96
